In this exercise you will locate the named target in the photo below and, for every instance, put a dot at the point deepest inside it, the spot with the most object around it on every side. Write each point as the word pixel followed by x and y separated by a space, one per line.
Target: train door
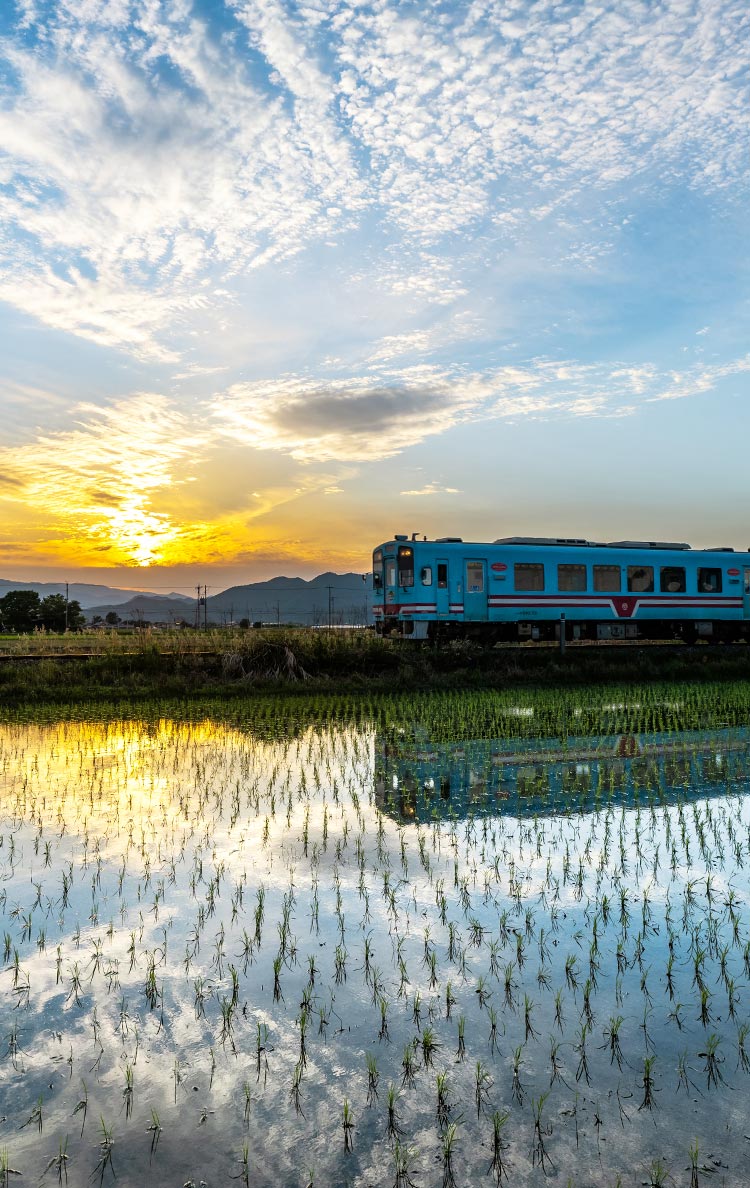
pixel 475 591
pixel 442 597
pixel 746 593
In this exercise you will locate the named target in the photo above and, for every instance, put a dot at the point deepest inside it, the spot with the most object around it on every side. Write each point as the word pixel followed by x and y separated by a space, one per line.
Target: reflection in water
pixel 214 942
pixel 423 781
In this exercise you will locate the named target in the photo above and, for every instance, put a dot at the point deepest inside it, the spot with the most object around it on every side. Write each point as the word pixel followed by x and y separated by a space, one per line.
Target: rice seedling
pixel 106 1152
pixel 539 1153
pixel 482 1086
pixel 409 1065
pixel 429 1045
pixel 372 1078
pixel 516 1087
pixel 648 1083
pixel 244 1162
pixel 127 1092
pixel 59 1162
pixel 347 1122
pixel 712 1061
pixel 448 1142
pixel 444 1104
pixel 612 1039
pixel 498 1164
pixel 154 1129
pixel 393 1126
pixel 658 1174
pixel 404 1158
pixel 35 1117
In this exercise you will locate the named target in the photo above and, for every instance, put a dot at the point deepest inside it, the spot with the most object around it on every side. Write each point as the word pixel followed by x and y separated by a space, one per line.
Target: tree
pixel 19 611
pixel 111 618
pixel 55 614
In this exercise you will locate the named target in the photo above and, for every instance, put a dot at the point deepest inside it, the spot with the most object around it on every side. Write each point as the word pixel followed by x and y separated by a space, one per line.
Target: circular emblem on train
pixel 623 606
pixel 498 566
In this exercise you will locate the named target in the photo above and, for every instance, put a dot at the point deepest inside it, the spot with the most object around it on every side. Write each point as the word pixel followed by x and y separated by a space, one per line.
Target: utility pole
pixel 330 607
pixel 205 608
pixel 197 607
pixel 278 614
pixel 66 608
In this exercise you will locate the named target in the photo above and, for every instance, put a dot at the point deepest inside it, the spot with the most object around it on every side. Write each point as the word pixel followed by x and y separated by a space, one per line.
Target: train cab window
pixel 571 577
pixel 442 575
pixel 672 579
pixel 390 572
pixel 709 581
pixel 426 575
pixel 528 577
pixel 405 566
pixel 377 570
pixel 641 579
pixel 607 579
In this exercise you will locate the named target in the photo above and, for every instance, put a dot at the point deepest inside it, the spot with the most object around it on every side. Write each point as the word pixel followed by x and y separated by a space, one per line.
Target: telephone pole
pixel 66 608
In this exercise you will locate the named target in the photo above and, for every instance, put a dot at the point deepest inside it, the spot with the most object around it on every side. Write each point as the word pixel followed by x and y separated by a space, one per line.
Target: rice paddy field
pixel 443 939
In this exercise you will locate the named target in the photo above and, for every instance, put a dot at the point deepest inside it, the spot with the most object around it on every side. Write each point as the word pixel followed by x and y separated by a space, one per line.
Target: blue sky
pixel 279 279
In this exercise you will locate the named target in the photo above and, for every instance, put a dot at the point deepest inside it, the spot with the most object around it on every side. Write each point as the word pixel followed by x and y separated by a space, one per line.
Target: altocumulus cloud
pixel 152 150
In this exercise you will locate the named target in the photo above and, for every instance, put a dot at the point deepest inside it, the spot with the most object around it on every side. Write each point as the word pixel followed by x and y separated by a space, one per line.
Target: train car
pixel 532 588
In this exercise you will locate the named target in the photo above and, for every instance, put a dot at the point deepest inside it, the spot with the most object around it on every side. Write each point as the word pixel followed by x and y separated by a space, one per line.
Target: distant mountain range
pixel 88 595
pixel 345 596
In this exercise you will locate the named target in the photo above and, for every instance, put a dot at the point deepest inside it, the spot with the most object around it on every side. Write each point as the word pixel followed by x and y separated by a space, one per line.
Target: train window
pixel 377 569
pixel 709 581
pixel 474 577
pixel 528 577
pixel 641 579
pixel 390 572
pixel 571 577
pixel 442 575
pixel 426 575
pixel 672 579
pixel 405 566
pixel 607 579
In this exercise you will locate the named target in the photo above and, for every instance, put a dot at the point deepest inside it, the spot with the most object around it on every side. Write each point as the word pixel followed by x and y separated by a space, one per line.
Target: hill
pixel 88 595
pixel 345 596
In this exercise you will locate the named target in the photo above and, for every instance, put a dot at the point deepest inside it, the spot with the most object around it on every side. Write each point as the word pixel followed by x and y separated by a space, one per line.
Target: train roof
pixel 564 542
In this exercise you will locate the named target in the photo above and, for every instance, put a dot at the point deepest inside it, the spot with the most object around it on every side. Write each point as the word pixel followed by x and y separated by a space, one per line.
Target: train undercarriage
pixel 549 631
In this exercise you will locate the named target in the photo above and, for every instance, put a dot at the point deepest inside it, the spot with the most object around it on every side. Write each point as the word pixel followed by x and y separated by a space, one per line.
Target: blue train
pixel 532 588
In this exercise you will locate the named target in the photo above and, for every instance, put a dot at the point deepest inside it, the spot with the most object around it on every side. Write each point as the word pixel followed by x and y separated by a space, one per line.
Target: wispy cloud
pixel 433 489
pixel 144 481
pixel 100 481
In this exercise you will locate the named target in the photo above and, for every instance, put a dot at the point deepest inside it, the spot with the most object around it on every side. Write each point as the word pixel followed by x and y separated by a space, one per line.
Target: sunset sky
pixel 280 279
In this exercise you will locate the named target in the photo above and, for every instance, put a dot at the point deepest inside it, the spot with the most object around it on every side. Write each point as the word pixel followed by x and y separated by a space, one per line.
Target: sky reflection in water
pixel 207 932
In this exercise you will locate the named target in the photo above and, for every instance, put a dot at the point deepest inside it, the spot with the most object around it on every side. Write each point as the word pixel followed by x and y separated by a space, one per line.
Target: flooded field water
pixel 444 943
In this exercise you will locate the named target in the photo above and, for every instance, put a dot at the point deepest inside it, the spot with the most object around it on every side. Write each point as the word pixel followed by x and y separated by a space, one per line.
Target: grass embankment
pixel 226 664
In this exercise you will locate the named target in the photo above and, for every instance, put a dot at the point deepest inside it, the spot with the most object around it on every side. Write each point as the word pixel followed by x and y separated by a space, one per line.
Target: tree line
pixel 23 611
